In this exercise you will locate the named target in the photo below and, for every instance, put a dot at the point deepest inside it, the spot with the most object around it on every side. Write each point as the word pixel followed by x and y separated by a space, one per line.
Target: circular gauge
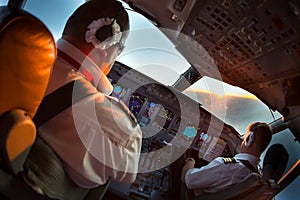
pixel 204 137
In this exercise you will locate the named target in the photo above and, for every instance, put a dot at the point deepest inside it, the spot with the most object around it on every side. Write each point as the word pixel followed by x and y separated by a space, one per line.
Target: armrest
pixel 18 133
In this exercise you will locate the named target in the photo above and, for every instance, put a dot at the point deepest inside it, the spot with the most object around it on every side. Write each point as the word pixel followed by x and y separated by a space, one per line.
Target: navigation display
pixel 136 103
pixel 156 117
pixel 151 111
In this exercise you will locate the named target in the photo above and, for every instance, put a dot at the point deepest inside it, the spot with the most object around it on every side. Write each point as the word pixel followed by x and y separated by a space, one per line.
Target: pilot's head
pixel 256 139
pixel 99 29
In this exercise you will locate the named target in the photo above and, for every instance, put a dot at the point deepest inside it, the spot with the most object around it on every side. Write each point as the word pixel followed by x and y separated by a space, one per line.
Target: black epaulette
pixel 229 160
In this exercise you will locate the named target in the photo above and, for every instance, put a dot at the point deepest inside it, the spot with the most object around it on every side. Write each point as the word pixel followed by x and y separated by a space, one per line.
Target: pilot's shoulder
pixel 122 106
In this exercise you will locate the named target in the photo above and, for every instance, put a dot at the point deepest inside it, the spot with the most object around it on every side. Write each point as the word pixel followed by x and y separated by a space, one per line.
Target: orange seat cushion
pixel 27 55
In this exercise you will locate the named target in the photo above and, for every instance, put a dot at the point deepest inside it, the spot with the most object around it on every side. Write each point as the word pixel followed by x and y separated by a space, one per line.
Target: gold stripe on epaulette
pixel 228 160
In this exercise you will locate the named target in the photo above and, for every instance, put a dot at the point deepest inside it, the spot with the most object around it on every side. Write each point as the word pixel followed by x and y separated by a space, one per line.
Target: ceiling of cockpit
pixel 253 44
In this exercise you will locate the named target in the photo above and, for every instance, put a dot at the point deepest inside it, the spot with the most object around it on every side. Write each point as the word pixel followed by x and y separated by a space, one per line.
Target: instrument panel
pixel 173 125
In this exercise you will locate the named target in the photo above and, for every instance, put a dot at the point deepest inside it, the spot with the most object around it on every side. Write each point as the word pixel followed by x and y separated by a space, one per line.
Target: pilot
pixel 97 138
pixel 222 173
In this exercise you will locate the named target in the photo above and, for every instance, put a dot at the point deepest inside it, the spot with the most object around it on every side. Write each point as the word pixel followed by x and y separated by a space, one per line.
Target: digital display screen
pixel 156 116
pixel 121 93
pixel 136 103
pixel 149 114
pixel 163 118
pixel 117 91
pixel 152 110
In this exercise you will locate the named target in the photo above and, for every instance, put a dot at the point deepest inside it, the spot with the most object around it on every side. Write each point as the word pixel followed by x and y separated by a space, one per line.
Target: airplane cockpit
pixel 193 73
pixel 168 131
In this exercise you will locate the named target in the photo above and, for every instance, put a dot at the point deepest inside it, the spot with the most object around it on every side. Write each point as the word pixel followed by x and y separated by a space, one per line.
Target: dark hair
pixel 78 22
pixel 262 134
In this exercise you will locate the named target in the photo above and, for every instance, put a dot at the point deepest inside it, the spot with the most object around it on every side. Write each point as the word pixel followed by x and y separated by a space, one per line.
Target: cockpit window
pixel 149 51
pixel 235 106
pixel 53 13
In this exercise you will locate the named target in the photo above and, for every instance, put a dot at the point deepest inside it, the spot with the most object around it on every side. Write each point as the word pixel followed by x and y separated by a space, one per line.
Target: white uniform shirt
pixel 96 144
pixel 217 175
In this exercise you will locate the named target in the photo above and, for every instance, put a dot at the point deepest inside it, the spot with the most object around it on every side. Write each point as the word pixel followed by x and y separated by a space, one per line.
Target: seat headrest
pixel 275 162
pixel 27 55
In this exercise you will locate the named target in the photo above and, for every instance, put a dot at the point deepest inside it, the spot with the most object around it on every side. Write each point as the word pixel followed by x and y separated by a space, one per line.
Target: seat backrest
pixel 27 55
pixel 275 162
pixel 238 191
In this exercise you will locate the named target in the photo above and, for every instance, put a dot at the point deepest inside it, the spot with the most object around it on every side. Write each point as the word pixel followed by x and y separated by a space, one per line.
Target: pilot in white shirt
pixel 219 174
pixel 97 138
pixel 113 151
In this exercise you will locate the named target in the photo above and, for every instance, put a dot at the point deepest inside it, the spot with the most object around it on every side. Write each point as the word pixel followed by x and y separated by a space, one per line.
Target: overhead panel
pixel 244 36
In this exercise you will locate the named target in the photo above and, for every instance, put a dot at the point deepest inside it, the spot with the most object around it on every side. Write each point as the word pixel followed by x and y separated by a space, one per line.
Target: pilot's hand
pixel 189 164
pixel 190 160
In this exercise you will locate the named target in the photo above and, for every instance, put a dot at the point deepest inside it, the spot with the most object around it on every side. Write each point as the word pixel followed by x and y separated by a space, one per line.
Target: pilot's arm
pixel 200 178
pixel 189 164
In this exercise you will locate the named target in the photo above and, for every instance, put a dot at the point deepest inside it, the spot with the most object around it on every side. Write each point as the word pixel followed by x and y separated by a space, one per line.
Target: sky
pixel 148 51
